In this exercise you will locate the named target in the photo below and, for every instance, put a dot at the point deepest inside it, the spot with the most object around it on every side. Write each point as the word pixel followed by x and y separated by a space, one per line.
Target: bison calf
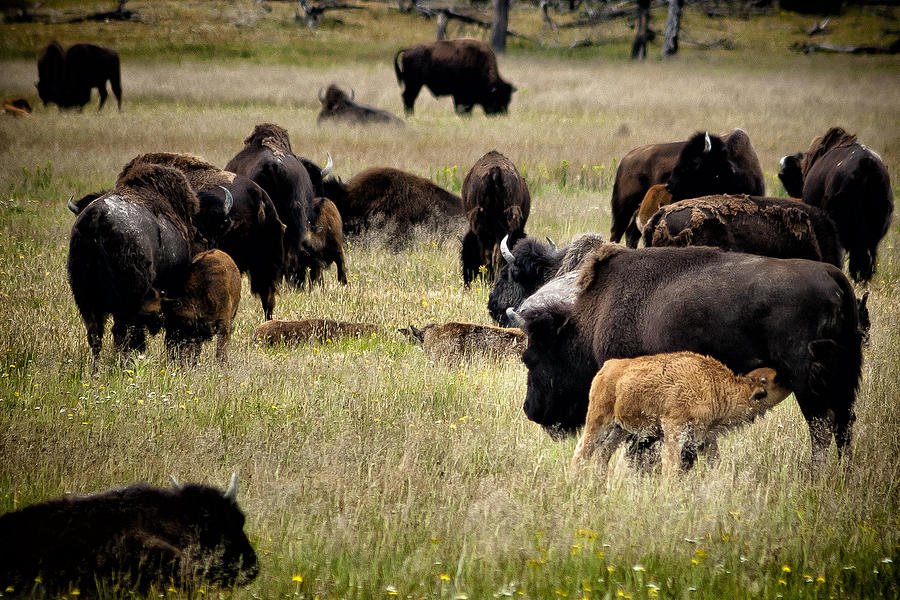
pixel 455 342
pixel 310 330
pixel 686 397
pixel 128 538
pixel 205 306
pixel 324 240
pixel 655 197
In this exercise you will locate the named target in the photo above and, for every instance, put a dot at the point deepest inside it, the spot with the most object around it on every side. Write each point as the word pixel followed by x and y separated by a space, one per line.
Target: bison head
pixel 703 167
pixel 498 97
pixel 527 267
pixel 791 174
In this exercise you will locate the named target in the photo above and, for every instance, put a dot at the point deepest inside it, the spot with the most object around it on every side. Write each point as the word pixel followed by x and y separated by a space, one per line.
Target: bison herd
pixel 733 302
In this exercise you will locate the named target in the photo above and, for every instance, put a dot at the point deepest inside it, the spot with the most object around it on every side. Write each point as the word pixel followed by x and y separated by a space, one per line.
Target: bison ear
pixel 546 325
pixel 594 262
pixel 231 492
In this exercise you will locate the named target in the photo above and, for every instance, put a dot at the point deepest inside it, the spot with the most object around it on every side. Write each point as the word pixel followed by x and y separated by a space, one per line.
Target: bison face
pixel 528 268
pixel 560 369
pixel 791 174
pixel 703 168
pixel 498 98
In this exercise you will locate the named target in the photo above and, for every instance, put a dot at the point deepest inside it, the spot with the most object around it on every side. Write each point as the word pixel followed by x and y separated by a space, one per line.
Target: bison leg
pixel 673 438
pixel 462 107
pixel 103 94
pixel 128 336
pixel 222 344
pixel 94 324
pixel 267 299
pixel 632 233
pixel 341 271
pixel 608 445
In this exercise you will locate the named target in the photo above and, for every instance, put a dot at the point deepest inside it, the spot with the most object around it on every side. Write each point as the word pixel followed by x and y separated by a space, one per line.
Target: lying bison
pixel 394 202
pixel 689 398
pixel 124 540
pixel 497 202
pixel 798 317
pixel 705 164
pixel 311 330
pixel 131 244
pixel 851 183
pixel 66 78
pixel 337 106
pixel 465 69
pixel 777 227
pixel 454 342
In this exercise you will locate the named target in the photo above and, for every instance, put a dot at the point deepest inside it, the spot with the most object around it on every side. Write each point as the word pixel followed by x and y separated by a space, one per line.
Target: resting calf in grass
pixel 685 397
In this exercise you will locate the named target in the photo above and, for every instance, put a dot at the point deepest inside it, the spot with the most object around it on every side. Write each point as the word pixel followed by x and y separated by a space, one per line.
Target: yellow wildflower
pixel 298 578
pixel 445 577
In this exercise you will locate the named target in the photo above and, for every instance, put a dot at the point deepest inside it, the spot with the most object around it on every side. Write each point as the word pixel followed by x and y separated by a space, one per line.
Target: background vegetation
pixel 365 470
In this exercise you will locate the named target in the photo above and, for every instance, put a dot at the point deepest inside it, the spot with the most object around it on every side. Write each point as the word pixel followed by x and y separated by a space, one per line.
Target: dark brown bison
pixel 453 343
pixel 324 241
pixel 67 77
pixel 267 159
pixel 851 183
pixel 311 330
pixel 796 316
pixel 338 106
pixel 395 202
pixel 706 164
pixel 777 227
pixel 531 264
pixel 496 200
pixel 465 69
pixel 204 306
pixel 125 540
pixel 131 244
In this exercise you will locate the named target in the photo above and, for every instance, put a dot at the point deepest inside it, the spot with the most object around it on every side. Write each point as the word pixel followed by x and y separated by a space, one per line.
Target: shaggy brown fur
pixel 324 240
pixel 205 306
pixel 655 197
pixel 200 174
pixel 687 398
pixel 271 136
pixel 836 137
pixel 311 330
pixel 454 342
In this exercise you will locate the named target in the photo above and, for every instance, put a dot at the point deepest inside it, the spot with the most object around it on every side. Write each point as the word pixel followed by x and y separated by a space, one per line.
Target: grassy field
pixel 365 470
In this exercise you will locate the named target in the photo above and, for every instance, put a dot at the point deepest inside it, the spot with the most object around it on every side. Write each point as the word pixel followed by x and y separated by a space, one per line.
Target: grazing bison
pixel 465 69
pixel 126 539
pixel 655 197
pixel 324 240
pixel 531 264
pixel 796 316
pixel 688 398
pixel 726 165
pixel 851 183
pixel 337 106
pixel 67 77
pixel 394 201
pixel 204 306
pixel 496 200
pixel 129 245
pixel 267 159
pixel 311 330
pixel 455 342
pixel 778 227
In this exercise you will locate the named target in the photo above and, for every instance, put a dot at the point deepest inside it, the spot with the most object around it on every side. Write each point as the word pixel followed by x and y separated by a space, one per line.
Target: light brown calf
pixel 454 342
pixel 655 197
pixel 310 330
pixel 685 397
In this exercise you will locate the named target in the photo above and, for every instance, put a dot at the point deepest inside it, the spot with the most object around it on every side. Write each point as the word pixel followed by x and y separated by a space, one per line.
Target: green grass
pixel 365 470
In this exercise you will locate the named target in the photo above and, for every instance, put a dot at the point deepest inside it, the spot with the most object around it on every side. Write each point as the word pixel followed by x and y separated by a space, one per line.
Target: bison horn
pixel 175 483
pixel 328 165
pixel 231 492
pixel 551 242
pixel 321 96
pixel 707 144
pixel 71 205
pixel 229 199
pixel 504 250
pixel 515 319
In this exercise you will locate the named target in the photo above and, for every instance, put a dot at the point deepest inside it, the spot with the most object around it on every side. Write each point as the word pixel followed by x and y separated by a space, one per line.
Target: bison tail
pixel 397 71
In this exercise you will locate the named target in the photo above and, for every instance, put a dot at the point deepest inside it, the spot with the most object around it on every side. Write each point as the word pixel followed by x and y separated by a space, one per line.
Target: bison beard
pixel 797 316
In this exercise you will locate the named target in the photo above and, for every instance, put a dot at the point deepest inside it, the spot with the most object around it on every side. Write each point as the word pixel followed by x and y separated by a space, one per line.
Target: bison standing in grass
pixel 125 540
pixel 324 241
pixel 687 398
pixel 67 77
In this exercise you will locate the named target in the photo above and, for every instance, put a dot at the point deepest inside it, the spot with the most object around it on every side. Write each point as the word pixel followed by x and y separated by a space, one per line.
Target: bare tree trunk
pixel 641 25
pixel 442 20
pixel 673 25
pixel 501 22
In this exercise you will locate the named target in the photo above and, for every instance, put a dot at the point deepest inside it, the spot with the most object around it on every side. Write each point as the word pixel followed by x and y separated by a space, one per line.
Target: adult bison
pixel 529 265
pixel 338 106
pixel 465 69
pixel 129 245
pixel 706 164
pixel 777 227
pixel 796 316
pixel 125 540
pixel 395 202
pixel 851 183
pixel 496 200
pixel 268 159
pixel 67 77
